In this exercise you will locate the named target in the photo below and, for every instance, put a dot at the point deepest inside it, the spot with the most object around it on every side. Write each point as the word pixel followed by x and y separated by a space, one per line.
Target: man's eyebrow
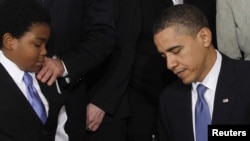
pixel 172 48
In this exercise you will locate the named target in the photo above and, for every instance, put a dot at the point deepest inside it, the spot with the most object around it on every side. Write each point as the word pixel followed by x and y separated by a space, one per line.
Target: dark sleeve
pixel 163 131
pixel 98 39
pixel 110 89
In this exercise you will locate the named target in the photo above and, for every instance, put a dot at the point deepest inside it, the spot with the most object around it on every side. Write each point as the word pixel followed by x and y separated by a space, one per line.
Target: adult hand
pixel 51 69
pixel 94 117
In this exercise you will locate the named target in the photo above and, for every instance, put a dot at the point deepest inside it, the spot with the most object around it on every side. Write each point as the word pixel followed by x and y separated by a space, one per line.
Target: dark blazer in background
pixel 129 83
pixel 18 120
pixel 233 84
pixel 82 36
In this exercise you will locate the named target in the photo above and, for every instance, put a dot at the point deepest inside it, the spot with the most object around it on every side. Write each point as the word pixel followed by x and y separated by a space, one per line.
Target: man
pixel 128 85
pixel 134 54
pixel 29 110
pixel 130 81
pixel 183 38
pixel 83 36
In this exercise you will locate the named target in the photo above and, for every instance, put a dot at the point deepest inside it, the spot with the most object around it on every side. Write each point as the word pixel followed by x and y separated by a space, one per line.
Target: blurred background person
pixel 82 36
pixel 233 20
pixel 129 83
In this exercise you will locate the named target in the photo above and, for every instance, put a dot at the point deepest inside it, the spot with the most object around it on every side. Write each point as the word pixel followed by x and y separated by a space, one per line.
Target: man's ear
pixel 8 41
pixel 206 36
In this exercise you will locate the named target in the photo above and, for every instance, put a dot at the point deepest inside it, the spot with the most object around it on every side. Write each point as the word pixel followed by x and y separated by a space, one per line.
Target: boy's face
pixel 29 51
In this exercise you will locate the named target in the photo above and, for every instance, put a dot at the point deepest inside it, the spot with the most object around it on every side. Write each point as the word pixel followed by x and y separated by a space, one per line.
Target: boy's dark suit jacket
pixel 233 84
pixel 18 120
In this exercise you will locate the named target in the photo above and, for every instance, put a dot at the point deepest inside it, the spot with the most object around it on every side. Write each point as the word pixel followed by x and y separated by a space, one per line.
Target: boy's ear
pixel 8 41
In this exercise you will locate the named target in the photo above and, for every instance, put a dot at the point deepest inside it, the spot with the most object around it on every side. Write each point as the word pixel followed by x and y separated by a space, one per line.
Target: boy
pixel 24 31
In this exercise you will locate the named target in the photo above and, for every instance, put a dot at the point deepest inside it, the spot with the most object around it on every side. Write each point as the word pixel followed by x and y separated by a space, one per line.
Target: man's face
pixel 30 49
pixel 185 54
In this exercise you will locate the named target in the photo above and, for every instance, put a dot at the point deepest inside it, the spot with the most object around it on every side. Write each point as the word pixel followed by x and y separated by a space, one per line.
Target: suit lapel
pixel 225 94
pixel 14 98
pixel 55 101
pixel 51 93
pixel 188 122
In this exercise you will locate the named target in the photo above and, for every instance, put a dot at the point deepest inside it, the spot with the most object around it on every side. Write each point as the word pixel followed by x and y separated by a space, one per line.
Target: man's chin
pixel 186 81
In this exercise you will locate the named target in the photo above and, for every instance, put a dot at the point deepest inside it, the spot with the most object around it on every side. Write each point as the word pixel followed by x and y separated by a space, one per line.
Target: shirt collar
pixel 14 71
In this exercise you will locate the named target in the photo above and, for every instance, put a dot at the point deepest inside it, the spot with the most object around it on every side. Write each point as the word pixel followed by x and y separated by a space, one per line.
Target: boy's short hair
pixel 17 16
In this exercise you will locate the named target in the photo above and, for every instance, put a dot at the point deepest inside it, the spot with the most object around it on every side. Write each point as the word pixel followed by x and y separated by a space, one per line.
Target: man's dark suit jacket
pixel 176 107
pixel 18 120
pixel 83 35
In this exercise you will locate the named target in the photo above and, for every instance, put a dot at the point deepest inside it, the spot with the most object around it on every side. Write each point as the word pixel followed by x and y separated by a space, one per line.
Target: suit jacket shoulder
pixel 233 85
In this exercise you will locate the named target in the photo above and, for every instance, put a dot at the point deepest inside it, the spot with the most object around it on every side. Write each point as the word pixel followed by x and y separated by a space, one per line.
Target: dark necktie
pixel 34 98
pixel 202 115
